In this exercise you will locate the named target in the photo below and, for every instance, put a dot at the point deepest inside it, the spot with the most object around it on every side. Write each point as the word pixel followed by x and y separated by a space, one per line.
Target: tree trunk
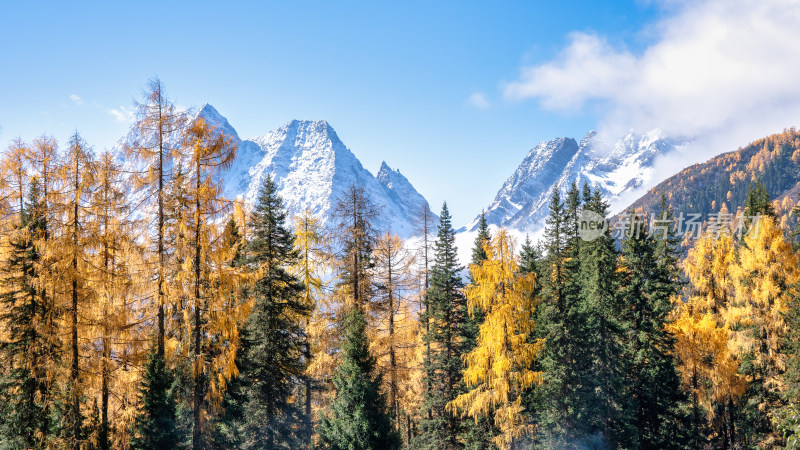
pixel 161 331
pixel 76 407
pixel 198 391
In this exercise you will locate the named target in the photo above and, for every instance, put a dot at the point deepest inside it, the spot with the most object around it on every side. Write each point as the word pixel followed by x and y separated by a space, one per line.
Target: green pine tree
pixel 30 345
pixel 530 258
pixel 606 331
pixel 448 336
pixel 270 357
pixel 359 419
pixel 653 385
pixel 484 236
pixel 155 427
pixel 564 406
pixel 758 200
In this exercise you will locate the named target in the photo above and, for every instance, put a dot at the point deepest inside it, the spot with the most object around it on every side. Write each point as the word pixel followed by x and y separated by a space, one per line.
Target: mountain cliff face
pixel 312 168
pixel 521 203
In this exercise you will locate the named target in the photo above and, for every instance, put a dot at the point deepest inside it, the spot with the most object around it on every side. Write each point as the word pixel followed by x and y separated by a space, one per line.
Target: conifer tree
pixel 395 332
pixel 449 335
pixel 562 413
pixel 224 427
pixel 29 347
pixel 359 419
pixel 477 435
pixel 653 386
pixel 15 174
pixel 113 281
pixel 71 269
pixel 530 257
pixel 605 331
pixel 203 282
pixel 155 425
pixel 355 214
pixel 484 236
pixel 758 200
pixel 44 159
pixel 764 277
pixel 499 367
pixel 709 370
pixel 273 342
pixel 424 229
pixel 158 122
pixel 310 262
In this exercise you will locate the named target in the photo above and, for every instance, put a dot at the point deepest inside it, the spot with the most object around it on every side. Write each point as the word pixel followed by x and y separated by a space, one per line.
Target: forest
pixel 182 319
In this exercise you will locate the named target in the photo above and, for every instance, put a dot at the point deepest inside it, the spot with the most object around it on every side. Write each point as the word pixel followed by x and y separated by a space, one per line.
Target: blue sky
pixel 453 94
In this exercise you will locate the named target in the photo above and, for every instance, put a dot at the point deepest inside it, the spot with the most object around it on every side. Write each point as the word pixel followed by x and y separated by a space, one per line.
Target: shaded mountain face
pixel 312 168
pixel 522 201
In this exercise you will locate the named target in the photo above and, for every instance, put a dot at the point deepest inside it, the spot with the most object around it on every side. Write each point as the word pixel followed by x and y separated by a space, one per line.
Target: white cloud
pixel 718 73
pixel 122 114
pixel 478 100
pixel 77 100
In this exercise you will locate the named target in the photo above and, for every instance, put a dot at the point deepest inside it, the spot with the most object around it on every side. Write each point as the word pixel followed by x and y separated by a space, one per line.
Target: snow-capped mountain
pixel 312 168
pixel 522 202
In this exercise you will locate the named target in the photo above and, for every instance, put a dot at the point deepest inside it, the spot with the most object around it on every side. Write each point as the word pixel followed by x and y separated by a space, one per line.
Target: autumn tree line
pixel 141 309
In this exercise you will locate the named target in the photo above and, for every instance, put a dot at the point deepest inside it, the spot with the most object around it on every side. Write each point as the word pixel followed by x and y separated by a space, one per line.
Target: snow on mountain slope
pixel 627 165
pixel 402 193
pixel 313 169
pixel 311 166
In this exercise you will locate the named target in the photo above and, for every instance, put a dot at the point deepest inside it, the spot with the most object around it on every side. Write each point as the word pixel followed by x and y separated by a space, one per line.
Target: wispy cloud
pixel 478 100
pixel 75 99
pixel 122 114
pixel 718 73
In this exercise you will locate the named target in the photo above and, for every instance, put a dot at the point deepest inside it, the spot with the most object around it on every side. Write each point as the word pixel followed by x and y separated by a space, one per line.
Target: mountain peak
pixel 217 120
pixel 588 138
pixel 521 203
pixel 400 190
pixel 313 168
pixel 310 125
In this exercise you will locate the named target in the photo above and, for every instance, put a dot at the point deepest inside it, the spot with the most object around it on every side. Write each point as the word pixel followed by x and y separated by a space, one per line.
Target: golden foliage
pixel 394 324
pixel 764 280
pixel 498 369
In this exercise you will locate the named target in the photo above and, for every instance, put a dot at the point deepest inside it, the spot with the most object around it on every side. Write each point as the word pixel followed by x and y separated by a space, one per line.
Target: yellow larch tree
pixel 116 280
pixel 707 363
pixel 498 370
pixel 45 163
pixel 69 249
pixel 157 126
pixel 43 158
pixel 15 176
pixel 308 269
pixel 395 327
pixel 764 279
pixel 207 277
pixel 709 360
